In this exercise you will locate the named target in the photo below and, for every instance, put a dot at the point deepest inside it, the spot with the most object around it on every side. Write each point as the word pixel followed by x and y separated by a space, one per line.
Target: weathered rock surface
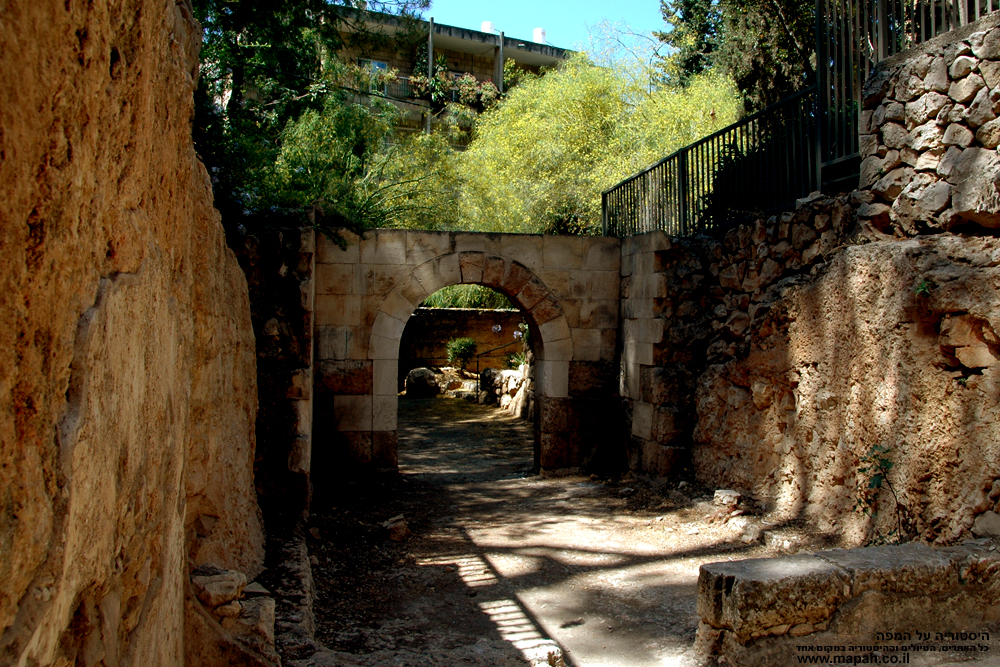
pixel 893 344
pixel 126 359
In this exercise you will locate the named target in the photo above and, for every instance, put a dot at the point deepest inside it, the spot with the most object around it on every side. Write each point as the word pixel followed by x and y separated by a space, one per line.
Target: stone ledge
pixel 753 611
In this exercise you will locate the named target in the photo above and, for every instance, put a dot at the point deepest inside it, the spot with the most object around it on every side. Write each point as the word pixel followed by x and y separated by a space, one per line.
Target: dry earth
pixel 503 567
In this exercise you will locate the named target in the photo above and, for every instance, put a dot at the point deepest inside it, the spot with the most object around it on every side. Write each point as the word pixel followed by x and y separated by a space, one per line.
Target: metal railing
pixel 806 142
pixel 852 36
pixel 752 167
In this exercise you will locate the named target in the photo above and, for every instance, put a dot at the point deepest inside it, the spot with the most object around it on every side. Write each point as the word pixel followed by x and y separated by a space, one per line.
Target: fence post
pixel 604 213
pixel 682 194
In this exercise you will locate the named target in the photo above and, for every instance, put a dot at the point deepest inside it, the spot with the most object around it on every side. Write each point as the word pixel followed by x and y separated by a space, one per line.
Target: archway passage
pixel 567 287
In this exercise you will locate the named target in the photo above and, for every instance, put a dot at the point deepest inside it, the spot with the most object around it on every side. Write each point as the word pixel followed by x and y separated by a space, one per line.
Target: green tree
pixel 766 46
pixel 269 72
pixel 694 36
pixel 539 161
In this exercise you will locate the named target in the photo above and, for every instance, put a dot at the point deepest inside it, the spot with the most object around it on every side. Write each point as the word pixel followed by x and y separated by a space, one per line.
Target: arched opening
pixel 539 307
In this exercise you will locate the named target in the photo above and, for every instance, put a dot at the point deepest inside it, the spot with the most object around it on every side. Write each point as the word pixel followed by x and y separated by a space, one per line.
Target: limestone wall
pixel 929 134
pixel 567 288
pixel 127 377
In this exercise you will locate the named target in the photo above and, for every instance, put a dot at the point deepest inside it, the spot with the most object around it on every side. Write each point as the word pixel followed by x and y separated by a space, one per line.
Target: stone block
pixel 562 252
pixel 974 197
pixel 638 353
pixel 331 342
pixel 385 447
pixel 471 266
pixel 986 44
pixel 904 569
pixel 525 249
pixel 603 314
pixel 345 377
pixel 516 277
pixel 328 252
pixel 554 414
pixel 424 246
pixel 553 378
pixel 385 377
pixel 753 596
pixel 364 279
pixel 593 379
pixel 385 277
pixel 586 345
pixel 579 284
pixel 650 330
pixel 337 310
pixel 630 380
pixel 556 280
pixel 477 242
pixel 545 310
pixel 605 285
pixel 557 350
pixel 602 254
pixel 965 90
pixel 390 246
pixel 384 410
pixel 533 291
pixel 300 455
pixel 493 270
pixel 367 247
pixel 449 268
pixel 397 307
pixel 554 330
pixel 668 424
pixel 571 309
pixel 410 289
pixel 554 450
pixel 609 344
pixel 388 327
pixel 661 460
pixel 383 348
pixel 352 413
pixel 357 342
pixel 642 420
pixel 357 445
pixel 957 135
pixel 334 278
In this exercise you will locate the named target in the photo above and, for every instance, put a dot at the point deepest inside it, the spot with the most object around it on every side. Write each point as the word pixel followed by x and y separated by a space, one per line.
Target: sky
pixel 565 22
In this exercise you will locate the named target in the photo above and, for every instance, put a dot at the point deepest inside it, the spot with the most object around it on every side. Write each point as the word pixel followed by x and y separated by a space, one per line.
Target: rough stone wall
pixel 929 134
pixel 567 288
pixel 689 303
pixel 126 360
pixel 280 266
pixel 893 344
pixel 425 338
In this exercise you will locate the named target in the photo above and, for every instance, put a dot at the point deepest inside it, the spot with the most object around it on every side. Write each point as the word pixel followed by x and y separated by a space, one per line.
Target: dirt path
pixel 506 568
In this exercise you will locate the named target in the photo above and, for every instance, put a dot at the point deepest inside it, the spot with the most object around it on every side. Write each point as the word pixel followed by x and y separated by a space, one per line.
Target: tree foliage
pixel 270 78
pixel 539 160
pixel 766 46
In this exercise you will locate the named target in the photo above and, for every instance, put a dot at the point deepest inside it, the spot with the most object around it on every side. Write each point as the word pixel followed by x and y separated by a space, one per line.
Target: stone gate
pixel 567 287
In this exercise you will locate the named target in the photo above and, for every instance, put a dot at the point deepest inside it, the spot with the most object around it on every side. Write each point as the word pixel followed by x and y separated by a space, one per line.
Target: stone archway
pixel 567 287
pixel 553 348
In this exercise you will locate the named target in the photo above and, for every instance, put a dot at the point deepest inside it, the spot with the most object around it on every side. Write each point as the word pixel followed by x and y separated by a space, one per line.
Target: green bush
pixel 461 350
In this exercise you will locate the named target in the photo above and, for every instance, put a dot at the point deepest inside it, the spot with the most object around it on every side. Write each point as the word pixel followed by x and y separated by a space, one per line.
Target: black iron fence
pixel 751 167
pixel 852 36
pixel 806 142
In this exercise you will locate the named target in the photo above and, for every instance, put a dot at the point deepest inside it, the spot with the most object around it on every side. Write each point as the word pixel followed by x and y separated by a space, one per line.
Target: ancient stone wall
pixel 692 302
pixel 566 287
pixel 929 133
pixel 127 377
pixel 793 347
